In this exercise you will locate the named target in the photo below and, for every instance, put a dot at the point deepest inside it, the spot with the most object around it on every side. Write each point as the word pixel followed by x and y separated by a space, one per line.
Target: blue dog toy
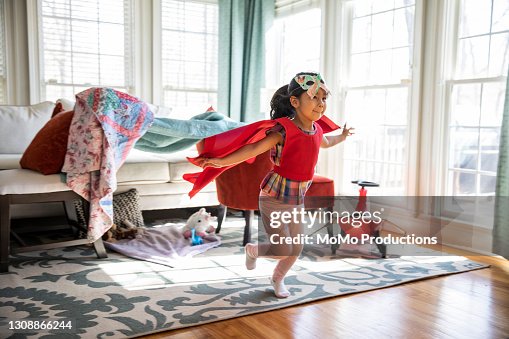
pixel 195 239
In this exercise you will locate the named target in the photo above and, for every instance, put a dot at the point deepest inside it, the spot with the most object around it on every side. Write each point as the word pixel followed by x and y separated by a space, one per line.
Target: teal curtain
pixel 242 28
pixel 501 224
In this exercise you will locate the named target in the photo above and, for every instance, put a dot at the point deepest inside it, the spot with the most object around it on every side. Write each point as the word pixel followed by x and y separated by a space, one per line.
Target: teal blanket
pixel 172 135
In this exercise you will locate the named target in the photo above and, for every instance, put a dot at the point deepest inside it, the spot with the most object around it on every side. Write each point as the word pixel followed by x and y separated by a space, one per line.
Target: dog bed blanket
pixel 162 245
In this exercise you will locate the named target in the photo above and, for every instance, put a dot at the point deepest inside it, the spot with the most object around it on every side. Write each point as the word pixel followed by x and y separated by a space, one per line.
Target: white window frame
pixel 413 140
pixel 3 51
pixel 274 52
pixel 450 53
pixel 36 54
pixel 479 209
pixel 157 87
pixel 438 64
pixel 289 7
pixel 146 62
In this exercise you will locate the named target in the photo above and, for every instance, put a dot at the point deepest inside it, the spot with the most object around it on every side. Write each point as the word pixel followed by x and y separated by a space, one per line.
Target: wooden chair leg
pixel 99 248
pixel 5 230
pixel 330 232
pixel 381 247
pixel 221 216
pixel 248 216
pixel 70 210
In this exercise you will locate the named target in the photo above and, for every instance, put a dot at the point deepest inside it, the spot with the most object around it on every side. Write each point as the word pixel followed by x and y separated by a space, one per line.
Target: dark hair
pixel 280 105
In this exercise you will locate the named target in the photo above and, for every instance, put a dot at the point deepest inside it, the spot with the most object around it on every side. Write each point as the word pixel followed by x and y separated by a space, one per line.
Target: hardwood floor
pixel 474 304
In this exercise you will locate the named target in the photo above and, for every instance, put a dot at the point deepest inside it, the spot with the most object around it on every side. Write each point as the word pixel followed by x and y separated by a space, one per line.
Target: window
pixel 84 43
pixel 378 91
pixel 298 31
pixel 476 90
pixel 189 50
pixel 293 43
pixel 170 61
pixel 3 75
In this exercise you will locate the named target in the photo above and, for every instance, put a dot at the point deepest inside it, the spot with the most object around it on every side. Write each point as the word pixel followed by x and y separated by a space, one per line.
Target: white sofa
pixel 157 177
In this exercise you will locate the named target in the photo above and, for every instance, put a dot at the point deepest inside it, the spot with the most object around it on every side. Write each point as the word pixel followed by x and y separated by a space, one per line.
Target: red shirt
pixel 300 153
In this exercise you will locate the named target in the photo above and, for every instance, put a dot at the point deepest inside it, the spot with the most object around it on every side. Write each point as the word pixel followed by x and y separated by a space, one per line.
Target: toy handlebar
pixel 364 183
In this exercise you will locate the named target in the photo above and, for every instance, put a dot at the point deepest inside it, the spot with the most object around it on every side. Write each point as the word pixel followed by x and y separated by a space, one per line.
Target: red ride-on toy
pixel 365 224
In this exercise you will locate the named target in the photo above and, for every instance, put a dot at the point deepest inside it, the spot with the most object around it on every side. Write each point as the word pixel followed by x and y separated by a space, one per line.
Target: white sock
pixel 250 261
pixel 279 288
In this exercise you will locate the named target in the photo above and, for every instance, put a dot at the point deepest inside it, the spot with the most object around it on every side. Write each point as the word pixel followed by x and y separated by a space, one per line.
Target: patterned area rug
pixel 119 297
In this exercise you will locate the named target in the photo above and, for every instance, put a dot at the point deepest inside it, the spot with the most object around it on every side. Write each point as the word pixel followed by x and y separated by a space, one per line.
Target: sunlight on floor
pixel 140 275
pixel 326 266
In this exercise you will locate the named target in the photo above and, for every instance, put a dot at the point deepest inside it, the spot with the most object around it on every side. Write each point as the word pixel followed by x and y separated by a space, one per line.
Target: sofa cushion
pixel 156 167
pixel 143 173
pixel 22 181
pixel 178 169
pixel 9 161
pixel 181 188
pixel 46 153
pixel 143 168
pixel 19 125
pixel 137 156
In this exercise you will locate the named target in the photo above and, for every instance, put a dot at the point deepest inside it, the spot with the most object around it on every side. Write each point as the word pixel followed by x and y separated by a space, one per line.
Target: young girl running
pixel 294 141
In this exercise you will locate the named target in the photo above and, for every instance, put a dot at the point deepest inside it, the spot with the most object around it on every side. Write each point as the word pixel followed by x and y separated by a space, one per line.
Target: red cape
pixel 220 145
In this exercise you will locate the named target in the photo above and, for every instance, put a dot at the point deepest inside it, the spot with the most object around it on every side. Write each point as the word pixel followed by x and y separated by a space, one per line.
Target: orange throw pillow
pixel 46 153
pixel 58 109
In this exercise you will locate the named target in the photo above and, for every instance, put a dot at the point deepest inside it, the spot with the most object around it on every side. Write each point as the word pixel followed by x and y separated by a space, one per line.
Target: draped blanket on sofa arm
pixel 104 128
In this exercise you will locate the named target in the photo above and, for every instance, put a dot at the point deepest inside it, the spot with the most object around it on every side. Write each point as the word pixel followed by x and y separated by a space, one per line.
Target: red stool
pixel 369 227
pixel 239 188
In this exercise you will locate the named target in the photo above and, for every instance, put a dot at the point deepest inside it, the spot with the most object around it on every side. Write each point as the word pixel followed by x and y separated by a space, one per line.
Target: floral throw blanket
pixel 105 126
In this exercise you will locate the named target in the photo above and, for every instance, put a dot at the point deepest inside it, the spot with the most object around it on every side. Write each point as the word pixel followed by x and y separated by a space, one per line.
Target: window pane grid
pixel 377 94
pixel 483 39
pixel 290 7
pixel 379 40
pixel 189 55
pixel 369 7
pixel 305 26
pixel 477 97
pixel 85 44
pixel 474 134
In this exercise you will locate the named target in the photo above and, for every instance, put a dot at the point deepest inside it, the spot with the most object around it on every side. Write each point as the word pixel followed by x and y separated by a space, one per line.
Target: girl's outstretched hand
pixel 347 131
pixel 208 162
